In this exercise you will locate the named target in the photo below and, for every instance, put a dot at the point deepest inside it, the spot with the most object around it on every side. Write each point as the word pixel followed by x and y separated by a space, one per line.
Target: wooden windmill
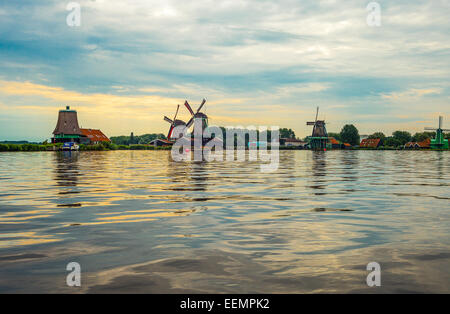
pixel 197 115
pixel 174 123
pixel 319 137
pixel 439 142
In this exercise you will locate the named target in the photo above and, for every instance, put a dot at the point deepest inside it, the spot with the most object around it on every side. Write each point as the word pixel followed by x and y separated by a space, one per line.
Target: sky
pixel 257 62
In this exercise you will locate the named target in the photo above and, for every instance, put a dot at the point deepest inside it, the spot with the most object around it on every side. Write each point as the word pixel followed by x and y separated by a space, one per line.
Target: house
pixel 363 137
pixel 335 144
pixel 424 144
pixel 161 142
pixel 370 143
pixel 292 142
pixel 92 136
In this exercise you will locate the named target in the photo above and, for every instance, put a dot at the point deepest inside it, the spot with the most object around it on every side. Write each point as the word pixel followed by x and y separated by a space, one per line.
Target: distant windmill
pixel 173 123
pixel 197 115
pixel 319 137
pixel 439 141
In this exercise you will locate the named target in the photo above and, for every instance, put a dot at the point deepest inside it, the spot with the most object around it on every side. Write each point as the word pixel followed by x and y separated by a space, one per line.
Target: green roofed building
pixel 439 142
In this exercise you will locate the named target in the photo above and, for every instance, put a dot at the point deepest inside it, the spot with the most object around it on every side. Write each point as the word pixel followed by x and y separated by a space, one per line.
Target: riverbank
pixel 56 147
pixel 110 146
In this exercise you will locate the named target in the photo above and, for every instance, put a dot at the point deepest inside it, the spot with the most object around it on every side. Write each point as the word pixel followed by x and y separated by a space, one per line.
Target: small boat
pixel 70 146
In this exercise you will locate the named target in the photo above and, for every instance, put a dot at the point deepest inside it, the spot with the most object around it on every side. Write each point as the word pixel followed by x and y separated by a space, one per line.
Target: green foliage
pixel 402 137
pixel 22 147
pixel 422 136
pixel 109 145
pixel 379 135
pixel 390 141
pixel 337 136
pixel 349 134
pixel 15 147
pixel 286 133
pixel 95 147
pixel 33 147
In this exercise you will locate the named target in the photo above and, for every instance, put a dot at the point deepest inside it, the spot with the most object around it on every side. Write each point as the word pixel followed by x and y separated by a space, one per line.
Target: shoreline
pixel 114 147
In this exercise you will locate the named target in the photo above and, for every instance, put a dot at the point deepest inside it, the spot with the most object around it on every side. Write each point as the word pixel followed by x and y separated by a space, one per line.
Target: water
pixel 137 222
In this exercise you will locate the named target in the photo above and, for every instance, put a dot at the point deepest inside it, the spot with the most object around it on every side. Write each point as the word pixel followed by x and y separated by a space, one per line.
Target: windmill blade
pixel 440 121
pixel 445 130
pixel 201 106
pixel 176 113
pixel 188 125
pixel 168 120
pixel 310 123
pixel 430 129
pixel 170 132
pixel 317 113
pixel 189 107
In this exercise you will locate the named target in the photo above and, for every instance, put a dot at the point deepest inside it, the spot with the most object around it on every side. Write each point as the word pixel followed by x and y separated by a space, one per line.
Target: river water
pixel 136 221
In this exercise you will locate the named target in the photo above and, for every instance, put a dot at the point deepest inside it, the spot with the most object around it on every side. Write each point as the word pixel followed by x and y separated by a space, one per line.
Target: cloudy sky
pixel 257 62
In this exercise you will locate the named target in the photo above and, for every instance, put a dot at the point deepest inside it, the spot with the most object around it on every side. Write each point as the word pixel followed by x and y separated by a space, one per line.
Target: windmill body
pixel 319 138
pixel 439 142
pixel 197 116
pixel 173 124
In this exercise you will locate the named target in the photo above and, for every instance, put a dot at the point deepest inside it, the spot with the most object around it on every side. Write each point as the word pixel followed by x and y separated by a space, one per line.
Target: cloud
pixel 413 93
pixel 141 57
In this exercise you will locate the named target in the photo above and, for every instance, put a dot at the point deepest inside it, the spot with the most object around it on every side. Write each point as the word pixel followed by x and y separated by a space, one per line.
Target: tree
pixel 349 134
pixel 286 133
pixel 391 142
pixel 422 136
pixel 402 137
pixel 337 136
pixel 377 135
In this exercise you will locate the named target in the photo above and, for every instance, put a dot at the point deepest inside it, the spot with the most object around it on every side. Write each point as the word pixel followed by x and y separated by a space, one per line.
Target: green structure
pixel 319 138
pixel 439 142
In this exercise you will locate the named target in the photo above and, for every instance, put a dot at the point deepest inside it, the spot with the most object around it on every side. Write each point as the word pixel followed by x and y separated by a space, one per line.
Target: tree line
pixel 348 134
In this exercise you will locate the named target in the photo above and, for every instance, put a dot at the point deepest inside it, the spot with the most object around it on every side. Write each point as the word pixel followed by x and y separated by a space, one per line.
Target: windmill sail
pixel 189 107
pixel 173 123
pixel 197 115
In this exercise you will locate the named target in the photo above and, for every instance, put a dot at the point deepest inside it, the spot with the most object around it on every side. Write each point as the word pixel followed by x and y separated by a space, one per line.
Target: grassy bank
pixel 52 147
pixel 110 146
pixel 28 147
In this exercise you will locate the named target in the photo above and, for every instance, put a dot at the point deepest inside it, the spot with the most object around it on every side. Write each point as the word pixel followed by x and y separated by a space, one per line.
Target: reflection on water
pixel 139 222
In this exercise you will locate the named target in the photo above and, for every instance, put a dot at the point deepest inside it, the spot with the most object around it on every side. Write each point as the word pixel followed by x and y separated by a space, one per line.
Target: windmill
pixel 173 123
pixel 319 137
pixel 197 115
pixel 439 141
